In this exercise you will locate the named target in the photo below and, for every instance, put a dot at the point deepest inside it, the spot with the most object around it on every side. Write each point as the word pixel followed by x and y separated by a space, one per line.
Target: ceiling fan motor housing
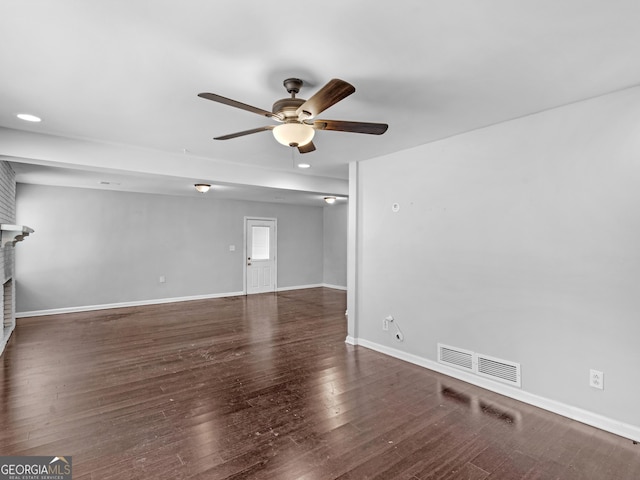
pixel 286 108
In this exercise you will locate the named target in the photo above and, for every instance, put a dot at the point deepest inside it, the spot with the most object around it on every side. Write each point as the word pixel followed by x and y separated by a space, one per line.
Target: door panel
pixel 260 253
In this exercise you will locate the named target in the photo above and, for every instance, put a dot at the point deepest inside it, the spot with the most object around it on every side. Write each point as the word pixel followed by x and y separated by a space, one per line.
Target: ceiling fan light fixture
pixel 202 187
pixel 293 134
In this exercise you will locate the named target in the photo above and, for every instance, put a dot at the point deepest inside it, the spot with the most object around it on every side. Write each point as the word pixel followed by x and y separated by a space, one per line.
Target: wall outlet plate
pixel 596 379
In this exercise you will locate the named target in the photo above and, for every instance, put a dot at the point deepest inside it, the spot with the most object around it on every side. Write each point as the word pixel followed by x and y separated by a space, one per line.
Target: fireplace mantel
pixel 13 233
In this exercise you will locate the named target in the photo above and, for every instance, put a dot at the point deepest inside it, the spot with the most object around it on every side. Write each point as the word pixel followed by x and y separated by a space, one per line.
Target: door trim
pixel 245 253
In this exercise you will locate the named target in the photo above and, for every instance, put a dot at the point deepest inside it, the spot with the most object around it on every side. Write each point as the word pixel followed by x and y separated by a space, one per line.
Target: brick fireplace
pixel 7 258
pixel 8 305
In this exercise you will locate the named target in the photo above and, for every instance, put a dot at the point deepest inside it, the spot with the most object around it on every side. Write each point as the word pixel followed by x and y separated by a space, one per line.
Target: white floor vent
pixel 483 365
pixel 456 357
pixel 500 370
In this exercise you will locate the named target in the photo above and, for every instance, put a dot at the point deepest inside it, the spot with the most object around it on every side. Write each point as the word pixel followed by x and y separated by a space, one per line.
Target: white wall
pixel 519 241
pixel 96 247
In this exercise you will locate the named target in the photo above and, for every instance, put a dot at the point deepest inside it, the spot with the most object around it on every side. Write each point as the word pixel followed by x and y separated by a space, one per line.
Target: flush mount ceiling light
pixel 202 187
pixel 27 117
pixel 293 134
pixel 330 200
pixel 304 165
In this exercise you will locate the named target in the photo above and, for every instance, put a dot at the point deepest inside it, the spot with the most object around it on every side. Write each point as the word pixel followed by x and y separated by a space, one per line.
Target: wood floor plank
pixel 264 387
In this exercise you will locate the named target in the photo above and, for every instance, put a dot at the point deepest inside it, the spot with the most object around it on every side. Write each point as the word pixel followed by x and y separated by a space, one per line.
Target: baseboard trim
pixel 335 287
pixel 315 285
pixel 616 427
pixel 157 301
pixel 140 303
pixel 299 287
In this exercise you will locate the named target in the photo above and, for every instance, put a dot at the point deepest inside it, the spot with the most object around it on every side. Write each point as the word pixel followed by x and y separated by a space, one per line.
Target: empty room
pixel 265 240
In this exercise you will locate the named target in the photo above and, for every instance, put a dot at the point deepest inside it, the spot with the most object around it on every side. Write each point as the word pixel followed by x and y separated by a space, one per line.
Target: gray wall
pixel 335 244
pixel 96 247
pixel 520 241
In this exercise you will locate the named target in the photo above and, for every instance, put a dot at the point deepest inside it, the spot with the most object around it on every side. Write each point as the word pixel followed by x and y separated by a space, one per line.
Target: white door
pixel 260 273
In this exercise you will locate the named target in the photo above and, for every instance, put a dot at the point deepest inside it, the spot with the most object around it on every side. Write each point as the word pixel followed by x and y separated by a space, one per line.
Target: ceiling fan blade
pixel 330 94
pixel 245 132
pixel 353 127
pixel 233 103
pixel 309 147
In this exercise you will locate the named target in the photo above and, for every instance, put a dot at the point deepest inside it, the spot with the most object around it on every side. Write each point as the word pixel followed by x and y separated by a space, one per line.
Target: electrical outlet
pixel 162 279
pixel 385 324
pixel 596 379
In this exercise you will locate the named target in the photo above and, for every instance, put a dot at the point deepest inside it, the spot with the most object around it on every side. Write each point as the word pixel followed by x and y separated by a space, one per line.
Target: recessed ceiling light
pixel 27 117
pixel 303 165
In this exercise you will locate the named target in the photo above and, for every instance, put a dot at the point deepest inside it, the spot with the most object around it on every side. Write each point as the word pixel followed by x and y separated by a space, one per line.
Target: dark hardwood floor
pixel 264 387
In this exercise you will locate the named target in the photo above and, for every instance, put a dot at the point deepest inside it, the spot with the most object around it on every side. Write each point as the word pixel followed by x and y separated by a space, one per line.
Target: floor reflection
pixel 475 404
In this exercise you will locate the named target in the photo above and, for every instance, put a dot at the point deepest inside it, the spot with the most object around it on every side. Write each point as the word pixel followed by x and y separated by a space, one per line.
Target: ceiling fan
pixel 297 115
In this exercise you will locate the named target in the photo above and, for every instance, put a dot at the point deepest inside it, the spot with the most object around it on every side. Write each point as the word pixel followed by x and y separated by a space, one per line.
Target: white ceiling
pixel 116 82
